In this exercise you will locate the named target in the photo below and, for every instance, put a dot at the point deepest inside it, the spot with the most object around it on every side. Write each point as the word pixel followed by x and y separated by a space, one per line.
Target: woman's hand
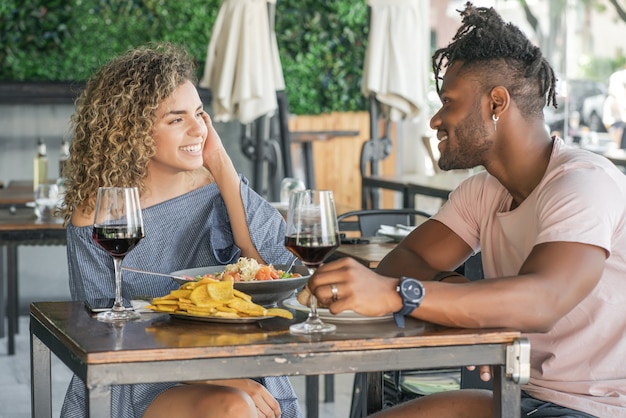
pixel 267 406
pixel 358 288
pixel 213 148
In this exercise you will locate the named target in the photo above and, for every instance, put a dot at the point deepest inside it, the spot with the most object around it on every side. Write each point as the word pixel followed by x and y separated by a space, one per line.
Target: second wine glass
pixel 312 235
pixel 118 227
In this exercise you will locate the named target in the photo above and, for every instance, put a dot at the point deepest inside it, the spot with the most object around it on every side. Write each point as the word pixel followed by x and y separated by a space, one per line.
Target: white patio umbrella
pixel 243 69
pixel 395 76
pixel 395 67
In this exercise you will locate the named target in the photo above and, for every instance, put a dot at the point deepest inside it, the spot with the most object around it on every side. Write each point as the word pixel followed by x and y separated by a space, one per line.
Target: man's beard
pixel 471 134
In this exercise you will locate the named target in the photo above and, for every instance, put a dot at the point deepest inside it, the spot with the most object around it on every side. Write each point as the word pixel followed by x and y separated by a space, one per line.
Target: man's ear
pixel 500 100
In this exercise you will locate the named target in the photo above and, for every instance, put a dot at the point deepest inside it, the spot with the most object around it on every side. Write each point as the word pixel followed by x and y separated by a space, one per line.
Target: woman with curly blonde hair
pixel 140 122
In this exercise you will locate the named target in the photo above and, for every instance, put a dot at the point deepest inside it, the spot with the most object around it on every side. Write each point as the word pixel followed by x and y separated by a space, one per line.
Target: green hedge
pixel 321 42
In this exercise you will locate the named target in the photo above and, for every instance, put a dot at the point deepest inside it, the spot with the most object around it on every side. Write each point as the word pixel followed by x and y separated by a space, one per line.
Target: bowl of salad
pixel 266 283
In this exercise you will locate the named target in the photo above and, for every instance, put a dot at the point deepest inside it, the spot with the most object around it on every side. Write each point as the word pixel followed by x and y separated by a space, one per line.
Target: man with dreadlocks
pixel 549 221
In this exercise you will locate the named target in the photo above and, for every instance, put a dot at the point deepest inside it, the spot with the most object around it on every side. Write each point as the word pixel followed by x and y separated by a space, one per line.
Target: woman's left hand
pixel 213 146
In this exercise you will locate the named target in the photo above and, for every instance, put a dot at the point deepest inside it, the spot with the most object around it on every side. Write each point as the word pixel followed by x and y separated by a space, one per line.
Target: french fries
pixel 213 298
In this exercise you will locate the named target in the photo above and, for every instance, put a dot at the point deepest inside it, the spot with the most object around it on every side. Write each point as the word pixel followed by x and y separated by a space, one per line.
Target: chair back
pixel 368 221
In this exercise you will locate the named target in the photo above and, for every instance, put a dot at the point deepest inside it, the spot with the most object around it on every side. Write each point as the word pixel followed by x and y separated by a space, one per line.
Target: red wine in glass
pixel 117 240
pixel 309 249
pixel 312 235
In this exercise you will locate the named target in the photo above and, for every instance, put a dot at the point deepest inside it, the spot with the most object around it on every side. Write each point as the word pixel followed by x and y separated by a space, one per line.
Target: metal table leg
pixel 506 394
pixel 329 388
pixel 12 297
pixel 312 385
pixel 100 402
pixel 309 168
pixel 3 306
pixel 41 387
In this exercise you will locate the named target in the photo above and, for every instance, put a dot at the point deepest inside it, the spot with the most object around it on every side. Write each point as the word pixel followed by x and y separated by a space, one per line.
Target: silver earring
pixel 495 121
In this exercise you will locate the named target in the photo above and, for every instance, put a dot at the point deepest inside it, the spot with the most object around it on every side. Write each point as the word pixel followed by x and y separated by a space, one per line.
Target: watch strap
pixel 407 306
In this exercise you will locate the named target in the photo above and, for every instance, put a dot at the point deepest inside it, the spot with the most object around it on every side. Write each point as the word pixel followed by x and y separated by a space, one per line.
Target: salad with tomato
pixel 247 270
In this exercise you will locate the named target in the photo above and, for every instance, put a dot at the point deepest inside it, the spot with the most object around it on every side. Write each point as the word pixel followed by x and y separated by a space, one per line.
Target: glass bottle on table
pixel 64 157
pixel 40 165
pixel 312 235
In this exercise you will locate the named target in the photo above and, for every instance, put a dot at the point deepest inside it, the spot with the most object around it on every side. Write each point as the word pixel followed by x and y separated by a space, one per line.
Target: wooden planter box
pixel 337 160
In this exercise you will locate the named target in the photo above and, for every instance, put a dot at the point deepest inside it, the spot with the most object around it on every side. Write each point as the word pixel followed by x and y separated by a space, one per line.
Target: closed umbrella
pixel 394 61
pixel 394 75
pixel 243 68
pixel 243 72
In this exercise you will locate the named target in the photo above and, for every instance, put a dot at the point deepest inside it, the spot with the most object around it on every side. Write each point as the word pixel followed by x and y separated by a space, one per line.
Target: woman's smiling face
pixel 179 131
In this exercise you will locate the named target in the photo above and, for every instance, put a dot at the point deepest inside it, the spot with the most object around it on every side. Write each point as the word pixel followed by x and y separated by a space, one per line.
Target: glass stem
pixel 313 312
pixel 117 264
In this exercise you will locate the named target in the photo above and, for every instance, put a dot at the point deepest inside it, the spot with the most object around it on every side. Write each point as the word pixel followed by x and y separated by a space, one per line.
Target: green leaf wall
pixel 322 42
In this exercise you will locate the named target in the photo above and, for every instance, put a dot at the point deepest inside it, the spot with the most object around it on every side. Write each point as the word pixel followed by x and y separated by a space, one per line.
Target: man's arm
pixel 432 247
pixel 554 278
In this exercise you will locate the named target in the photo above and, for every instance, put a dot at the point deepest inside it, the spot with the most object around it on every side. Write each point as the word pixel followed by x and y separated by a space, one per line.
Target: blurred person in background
pixel 614 114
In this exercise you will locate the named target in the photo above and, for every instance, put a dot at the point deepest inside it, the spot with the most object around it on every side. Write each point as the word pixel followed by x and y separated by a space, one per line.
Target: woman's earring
pixel 495 121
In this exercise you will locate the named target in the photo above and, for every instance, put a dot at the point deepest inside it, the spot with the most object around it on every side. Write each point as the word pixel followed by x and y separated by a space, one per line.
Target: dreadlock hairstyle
pixel 503 55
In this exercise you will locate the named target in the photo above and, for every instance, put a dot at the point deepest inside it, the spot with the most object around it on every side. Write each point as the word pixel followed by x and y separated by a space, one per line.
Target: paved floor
pixel 15 383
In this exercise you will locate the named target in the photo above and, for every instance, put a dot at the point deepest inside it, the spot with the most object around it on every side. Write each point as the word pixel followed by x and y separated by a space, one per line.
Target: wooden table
pixel 16 196
pixel 158 348
pixel 437 185
pixel 19 226
pixel 367 254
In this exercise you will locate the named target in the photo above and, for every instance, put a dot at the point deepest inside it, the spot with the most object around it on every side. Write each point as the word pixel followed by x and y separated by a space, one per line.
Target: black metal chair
pixel 373 152
pixel 368 221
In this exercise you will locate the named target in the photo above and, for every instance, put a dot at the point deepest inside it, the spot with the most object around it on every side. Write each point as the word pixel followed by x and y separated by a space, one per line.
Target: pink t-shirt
pixel 581 362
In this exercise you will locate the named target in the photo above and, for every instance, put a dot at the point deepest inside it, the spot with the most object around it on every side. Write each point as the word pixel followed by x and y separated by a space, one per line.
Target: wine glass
pixel 312 236
pixel 118 227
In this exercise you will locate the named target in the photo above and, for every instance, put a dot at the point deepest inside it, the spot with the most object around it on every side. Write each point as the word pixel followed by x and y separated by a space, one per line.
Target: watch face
pixel 412 290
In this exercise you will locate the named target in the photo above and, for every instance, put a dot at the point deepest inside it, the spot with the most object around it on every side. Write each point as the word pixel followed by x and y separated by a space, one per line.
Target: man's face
pixel 462 123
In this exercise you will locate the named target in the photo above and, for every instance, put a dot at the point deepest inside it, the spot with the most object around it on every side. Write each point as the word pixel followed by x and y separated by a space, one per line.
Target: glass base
pixel 113 316
pixel 312 327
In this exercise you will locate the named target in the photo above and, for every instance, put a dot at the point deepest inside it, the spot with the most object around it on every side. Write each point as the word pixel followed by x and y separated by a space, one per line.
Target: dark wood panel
pixel 52 92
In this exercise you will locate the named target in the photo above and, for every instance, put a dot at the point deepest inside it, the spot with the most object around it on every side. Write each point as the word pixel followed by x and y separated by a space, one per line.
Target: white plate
pixel 220 320
pixel 263 292
pixel 325 315
pixel 398 234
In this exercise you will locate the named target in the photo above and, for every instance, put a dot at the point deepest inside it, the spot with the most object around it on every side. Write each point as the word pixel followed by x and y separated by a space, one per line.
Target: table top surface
pixel 444 180
pixel 616 154
pixel 159 337
pixel 369 255
pixel 24 219
pixel 16 196
pixel 310 136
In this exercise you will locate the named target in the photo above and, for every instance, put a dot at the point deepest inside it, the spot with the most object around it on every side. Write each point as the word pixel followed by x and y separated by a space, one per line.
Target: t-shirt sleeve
pixel 459 212
pixel 579 205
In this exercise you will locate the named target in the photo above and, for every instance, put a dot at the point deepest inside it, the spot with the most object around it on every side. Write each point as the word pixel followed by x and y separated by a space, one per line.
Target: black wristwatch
pixel 412 293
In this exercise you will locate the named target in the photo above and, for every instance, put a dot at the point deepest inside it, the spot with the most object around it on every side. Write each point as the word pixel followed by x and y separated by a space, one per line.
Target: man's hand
pixel 485 372
pixel 358 288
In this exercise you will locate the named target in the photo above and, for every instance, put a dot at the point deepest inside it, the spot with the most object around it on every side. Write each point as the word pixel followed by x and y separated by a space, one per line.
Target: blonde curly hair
pixel 114 120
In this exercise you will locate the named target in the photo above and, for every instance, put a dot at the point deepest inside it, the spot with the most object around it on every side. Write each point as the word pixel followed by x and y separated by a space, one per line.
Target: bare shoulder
pixel 80 217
